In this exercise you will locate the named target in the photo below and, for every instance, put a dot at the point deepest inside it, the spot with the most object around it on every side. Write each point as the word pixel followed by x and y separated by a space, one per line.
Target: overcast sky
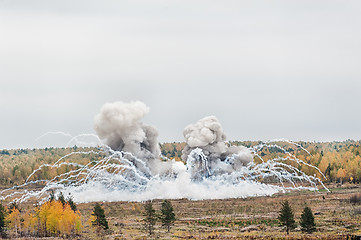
pixel 265 69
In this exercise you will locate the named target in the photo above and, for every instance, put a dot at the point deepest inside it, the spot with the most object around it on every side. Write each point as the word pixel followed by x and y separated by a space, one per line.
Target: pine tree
pixel 100 219
pixel 150 217
pixel 61 199
pixel 52 196
pixel 286 217
pixel 13 206
pixel 307 221
pixel 71 203
pixel 168 216
pixel 2 221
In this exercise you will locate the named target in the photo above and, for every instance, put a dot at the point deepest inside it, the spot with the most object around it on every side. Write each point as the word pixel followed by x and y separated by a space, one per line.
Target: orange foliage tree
pixel 50 219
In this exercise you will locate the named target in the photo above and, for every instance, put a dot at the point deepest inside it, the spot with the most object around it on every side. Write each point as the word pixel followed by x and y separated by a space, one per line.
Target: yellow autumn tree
pixel 42 213
pixel 57 219
pixel 323 165
pixel 54 217
pixel 341 174
pixel 30 223
pixel 14 220
pixel 50 219
pixel 70 221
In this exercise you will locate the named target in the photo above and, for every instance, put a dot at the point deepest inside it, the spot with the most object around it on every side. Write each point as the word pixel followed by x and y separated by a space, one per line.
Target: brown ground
pixel 250 218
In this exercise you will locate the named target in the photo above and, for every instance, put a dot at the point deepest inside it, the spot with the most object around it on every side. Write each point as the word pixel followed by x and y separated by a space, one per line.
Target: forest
pixel 338 161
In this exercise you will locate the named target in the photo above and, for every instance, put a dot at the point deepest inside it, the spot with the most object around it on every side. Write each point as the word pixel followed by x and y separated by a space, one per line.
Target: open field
pixel 250 218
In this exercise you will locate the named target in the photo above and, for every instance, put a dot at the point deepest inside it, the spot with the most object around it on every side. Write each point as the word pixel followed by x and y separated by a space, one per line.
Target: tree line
pixel 338 161
pixel 55 217
pixel 59 217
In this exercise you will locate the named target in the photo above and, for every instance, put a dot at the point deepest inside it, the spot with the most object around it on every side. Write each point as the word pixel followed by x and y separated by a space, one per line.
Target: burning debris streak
pixel 129 165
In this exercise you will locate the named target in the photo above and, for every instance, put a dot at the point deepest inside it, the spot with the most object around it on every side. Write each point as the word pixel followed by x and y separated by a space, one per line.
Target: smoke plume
pixel 206 151
pixel 129 168
pixel 119 126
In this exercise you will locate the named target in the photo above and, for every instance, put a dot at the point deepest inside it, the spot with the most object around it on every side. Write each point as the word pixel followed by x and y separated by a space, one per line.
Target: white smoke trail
pixel 128 166
pixel 78 139
pixel 54 132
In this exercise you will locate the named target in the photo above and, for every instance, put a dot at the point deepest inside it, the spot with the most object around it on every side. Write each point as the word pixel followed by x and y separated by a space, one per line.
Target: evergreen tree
pixel 2 221
pixel 150 217
pixel 71 203
pixel 61 199
pixel 168 216
pixel 52 196
pixel 307 221
pixel 14 206
pixel 100 219
pixel 286 217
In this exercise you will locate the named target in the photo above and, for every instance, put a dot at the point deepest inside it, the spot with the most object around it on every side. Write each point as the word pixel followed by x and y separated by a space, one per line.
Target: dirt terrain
pixel 249 218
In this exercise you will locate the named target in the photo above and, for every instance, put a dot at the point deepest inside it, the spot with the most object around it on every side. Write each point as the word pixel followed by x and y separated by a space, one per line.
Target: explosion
pixel 129 166
pixel 118 125
pixel 206 152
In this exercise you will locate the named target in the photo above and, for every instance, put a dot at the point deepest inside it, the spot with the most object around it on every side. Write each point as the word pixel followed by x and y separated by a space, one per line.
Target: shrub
pixel 355 199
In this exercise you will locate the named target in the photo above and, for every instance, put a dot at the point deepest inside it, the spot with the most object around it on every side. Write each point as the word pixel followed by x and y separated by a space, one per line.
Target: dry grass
pixel 250 218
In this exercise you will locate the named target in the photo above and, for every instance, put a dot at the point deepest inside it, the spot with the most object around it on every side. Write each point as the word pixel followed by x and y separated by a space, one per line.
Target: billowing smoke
pixel 206 151
pixel 119 126
pixel 129 167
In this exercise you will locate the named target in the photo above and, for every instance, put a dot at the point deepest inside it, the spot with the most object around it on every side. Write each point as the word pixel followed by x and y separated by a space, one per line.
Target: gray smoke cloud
pixel 120 127
pixel 208 136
